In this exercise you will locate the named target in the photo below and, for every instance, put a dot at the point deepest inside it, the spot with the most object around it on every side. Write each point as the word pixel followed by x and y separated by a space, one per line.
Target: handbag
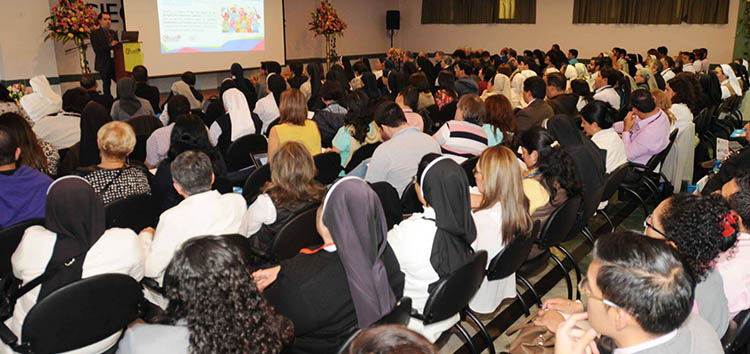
pixel 532 339
pixel 11 289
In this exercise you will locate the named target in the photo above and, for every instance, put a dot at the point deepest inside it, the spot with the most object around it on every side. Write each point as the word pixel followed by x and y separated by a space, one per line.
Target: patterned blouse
pixel 53 157
pixel 442 98
pixel 115 184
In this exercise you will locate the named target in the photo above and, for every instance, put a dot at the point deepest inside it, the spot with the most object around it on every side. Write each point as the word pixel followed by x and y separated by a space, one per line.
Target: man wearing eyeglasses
pixel 638 294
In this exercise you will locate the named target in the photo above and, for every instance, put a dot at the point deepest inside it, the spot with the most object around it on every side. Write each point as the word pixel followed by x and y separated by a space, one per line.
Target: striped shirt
pixel 461 140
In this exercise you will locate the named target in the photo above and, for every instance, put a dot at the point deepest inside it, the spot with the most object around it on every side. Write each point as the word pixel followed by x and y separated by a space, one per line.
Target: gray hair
pixel 193 172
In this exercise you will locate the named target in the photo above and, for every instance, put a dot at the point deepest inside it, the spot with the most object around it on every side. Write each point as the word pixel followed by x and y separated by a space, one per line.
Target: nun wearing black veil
pixel 435 243
pixel 349 282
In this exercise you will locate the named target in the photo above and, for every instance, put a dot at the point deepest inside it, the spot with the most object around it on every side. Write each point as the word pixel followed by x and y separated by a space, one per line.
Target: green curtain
pixel 475 11
pixel 650 11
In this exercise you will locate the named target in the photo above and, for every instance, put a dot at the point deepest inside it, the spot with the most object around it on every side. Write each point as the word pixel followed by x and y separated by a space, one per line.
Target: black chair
pixel 647 175
pixel 468 167
pixel 135 212
pixel 273 123
pixel 555 231
pixel 451 295
pixel 735 341
pixel 79 314
pixel 139 151
pixel 429 114
pixel 409 201
pixel 255 182
pixel 511 258
pixel 328 166
pixel 391 203
pixel 300 232
pixel 398 316
pixel 10 237
pixel 240 152
pixel 611 184
pixel 364 152
pixel 445 114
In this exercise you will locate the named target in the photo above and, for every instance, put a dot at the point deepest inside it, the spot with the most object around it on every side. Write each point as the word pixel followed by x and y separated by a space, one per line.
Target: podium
pixel 127 56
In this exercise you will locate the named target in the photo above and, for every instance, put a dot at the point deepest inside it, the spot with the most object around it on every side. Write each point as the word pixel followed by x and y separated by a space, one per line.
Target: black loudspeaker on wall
pixel 392 20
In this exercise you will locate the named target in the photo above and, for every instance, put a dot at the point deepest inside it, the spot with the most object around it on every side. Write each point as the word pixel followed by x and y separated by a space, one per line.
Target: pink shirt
pixel 733 266
pixel 646 138
pixel 414 119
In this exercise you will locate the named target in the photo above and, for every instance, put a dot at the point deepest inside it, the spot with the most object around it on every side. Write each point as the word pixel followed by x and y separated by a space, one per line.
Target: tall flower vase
pixel 328 52
pixel 82 61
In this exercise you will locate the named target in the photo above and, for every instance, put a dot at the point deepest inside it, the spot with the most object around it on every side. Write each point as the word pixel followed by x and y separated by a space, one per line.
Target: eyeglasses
pixel 583 287
pixel 648 225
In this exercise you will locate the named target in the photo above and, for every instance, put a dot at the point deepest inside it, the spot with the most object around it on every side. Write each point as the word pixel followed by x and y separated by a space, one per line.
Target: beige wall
pixel 366 33
pixel 23 52
pixel 554 25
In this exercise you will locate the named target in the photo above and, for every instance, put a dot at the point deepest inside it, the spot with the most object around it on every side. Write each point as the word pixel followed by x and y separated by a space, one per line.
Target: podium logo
pixel 168 38
pixel 129 51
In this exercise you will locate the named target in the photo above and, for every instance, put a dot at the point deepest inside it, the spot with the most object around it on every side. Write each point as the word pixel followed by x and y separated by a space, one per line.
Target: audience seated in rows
pixel 501 212
pixel 74 238
pixel 128 105
pixel 395 160
pixel 349 282
pixel 62 129
pixel 22 188
pixel 203 212
pixel 35 153
pixel 464 137
pixel 113 178
pixel 292 189
pixel 294 125
pixel 214 306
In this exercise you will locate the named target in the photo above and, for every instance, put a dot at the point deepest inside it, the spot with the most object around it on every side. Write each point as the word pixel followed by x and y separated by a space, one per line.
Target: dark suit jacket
pixel 102 47
pixel 104 100
pixel 660 82
pixel 150 93
pixel 564 104
pixel 533 115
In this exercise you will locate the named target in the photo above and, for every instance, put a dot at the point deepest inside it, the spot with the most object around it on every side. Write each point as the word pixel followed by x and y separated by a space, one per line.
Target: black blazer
pixel 533 115
pixel 564 104
pixel 150 93
pixel 102 47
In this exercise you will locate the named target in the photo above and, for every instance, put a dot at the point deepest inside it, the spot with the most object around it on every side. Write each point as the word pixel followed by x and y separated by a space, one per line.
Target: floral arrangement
pixel 71 20
pixel 396 55
pixel 326 21
pixel 18 90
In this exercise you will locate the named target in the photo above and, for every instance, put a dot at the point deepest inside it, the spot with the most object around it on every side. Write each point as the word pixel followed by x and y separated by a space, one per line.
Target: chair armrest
pixel 639 166
pixel 414 313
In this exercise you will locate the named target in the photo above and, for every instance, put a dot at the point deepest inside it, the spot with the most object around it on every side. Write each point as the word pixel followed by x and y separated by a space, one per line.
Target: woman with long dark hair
pixel 359 128
pixel 446 92
pixel 214 306
pixel 37 154
pixel 311 88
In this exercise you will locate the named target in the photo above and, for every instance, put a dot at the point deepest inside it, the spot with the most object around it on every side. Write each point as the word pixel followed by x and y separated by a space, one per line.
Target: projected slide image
pixel 196 26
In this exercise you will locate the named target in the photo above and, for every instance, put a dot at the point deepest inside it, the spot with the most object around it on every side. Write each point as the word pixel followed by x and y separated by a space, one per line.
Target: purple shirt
pixel 646 138
pixel 23 195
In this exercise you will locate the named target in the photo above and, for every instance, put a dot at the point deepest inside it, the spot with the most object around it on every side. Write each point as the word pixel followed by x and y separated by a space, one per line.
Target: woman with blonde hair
pixel 502 214
pixel 113 178
pixel 291 190
pixel 662 101
pixel 294 125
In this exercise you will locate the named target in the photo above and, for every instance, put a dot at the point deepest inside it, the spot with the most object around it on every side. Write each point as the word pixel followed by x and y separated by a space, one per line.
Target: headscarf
pixel 182 88
pixel 126 96
pixel 93 117
pixel 43 101
pixel 239 113
pixel 732 79
pixel 501 85
pixel 354 215
pixel 370 85
pixel 649 76
pixel 570 72
pixel 445 187
pixel 76 214
pixel 582 72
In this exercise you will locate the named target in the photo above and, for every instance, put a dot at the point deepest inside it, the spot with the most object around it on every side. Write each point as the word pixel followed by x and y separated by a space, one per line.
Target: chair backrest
pixel 298 233
pixel 409 201
pixel 399 315
pixel 468 167
pixel 589 205
pixel 391 203
pixel 364 152
pixel 82 313
pixel 273 123
pixel 741 335
pixel 10 237
pixel 328 166
pixel 139 150
pixel 239 153
pixel 510 259
pixel 613 181
pixel 453 293
pixel 135 212
pixel 255 182
pixel 559 224
pixel 659 158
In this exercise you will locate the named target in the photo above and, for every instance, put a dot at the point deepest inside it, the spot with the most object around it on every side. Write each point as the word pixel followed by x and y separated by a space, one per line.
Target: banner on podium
pixel 132 55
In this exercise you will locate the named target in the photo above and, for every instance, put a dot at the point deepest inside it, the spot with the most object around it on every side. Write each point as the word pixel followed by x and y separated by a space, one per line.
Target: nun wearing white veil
pixel 730 86
pixel 236 123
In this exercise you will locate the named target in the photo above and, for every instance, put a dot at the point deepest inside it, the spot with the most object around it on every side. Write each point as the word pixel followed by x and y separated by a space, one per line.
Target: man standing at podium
pixel 103 39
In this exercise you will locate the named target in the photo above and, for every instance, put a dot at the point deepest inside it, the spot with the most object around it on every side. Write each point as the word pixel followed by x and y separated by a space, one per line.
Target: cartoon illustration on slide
pixel 238 20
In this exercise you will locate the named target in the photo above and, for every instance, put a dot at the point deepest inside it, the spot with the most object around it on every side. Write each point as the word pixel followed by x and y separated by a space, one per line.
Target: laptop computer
pixel 129 36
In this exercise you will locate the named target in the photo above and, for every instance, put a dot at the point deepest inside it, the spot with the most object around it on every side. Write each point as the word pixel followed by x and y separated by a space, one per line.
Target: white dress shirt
pixel 207 213
pixel 489 238
pixel 609 95
pixel 261 212
pixel 607 139
pixel 267 109
pixel 116 251
pixel 62 130
pixel 688 68
pixel 667 74
pixel 411 241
